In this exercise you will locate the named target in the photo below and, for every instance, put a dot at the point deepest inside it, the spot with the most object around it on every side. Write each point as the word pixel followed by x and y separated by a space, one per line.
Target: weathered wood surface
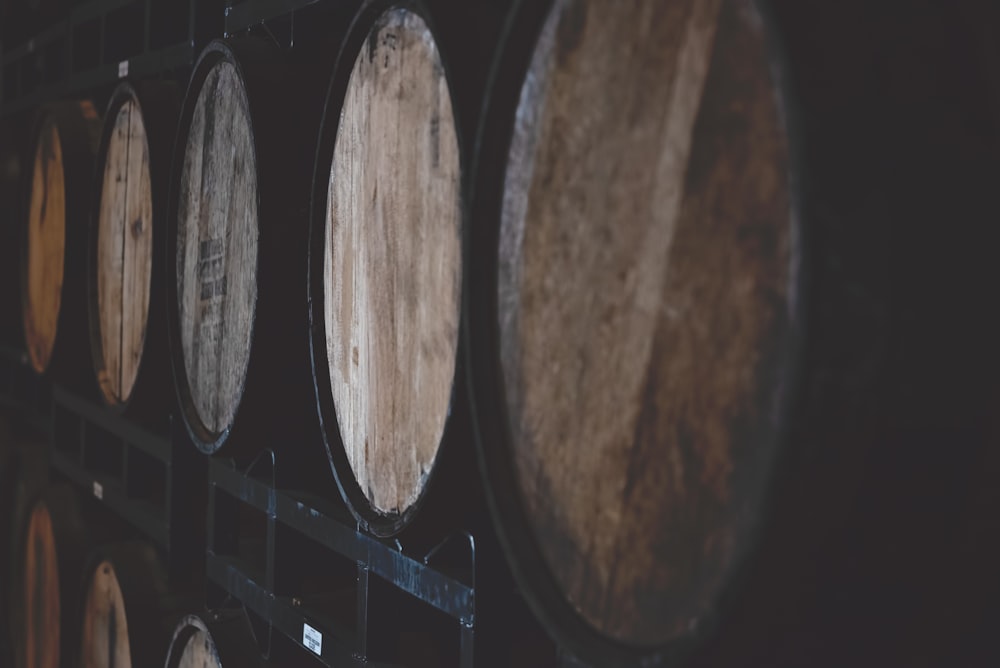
pixel 105 640
pixel 217 247
pixel 199 652
pixel 646 262
pixel 124 253
pixel 40 598
pixel 392 265
pixel 218 640
pixel 46 247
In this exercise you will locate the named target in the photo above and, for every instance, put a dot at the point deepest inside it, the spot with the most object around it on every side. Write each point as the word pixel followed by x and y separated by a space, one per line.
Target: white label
pixel 123 69
pixel 98 490
pixel 312 639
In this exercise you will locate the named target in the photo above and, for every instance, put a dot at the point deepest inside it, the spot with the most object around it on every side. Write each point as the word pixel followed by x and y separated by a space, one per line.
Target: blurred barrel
pixel 23 474
pixel 52 550
pixel 221 639
pixel 126 251
pixel 386 264
pixel 236 249
pixel 128 611
pixel 54 268
pixel 635 312
pixel 706 409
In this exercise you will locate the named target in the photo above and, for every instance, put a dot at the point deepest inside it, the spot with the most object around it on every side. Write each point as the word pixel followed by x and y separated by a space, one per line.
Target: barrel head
pixel 392 265
pixel 46 245
pixel 216 249
pixel 124 252
pixel 104 640
pixel 40 646
pixel 645 282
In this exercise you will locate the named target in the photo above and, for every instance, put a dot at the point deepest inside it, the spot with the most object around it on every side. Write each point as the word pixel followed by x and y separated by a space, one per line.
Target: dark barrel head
pixel 633 330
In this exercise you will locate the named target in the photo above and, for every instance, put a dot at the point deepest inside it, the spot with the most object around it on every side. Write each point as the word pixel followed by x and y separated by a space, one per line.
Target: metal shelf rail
pixel 244 15
pixel 367 575
pixel 310 579
pixel 102 41
pixel 154 482
pixel 25 391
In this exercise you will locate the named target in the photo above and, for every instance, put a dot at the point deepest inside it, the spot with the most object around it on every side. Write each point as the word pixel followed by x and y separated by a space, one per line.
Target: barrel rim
pixel 485 378
pixel 372 520
pixel 217 51
pixel 123 93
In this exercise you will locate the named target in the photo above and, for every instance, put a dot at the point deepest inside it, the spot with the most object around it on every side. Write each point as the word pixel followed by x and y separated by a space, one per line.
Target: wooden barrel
pixel 53 547
pixel 221 639
pixel 126 252
pixel 696 361
pixel 239 207
pixel 386 263
pixel 128 611
pixel 635 312
pixel 23 475
pixel 8 477
pixel 53 267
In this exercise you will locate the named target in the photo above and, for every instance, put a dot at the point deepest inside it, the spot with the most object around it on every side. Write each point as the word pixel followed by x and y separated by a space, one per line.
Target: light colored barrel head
pixel 41 592
pixel 392 266
pixel 644 297
pixel 217 234
pixel 46 247
pixel 199 652
pixel 124 253
pixel 104 642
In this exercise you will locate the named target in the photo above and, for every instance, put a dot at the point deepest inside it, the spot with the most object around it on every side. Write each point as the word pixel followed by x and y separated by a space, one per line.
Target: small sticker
pixel 123 69
pixel 312 639
pixel 98 490
pixel 31 46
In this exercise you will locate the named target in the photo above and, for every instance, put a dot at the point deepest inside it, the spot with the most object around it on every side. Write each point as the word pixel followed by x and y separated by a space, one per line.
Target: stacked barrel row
pixel 621 286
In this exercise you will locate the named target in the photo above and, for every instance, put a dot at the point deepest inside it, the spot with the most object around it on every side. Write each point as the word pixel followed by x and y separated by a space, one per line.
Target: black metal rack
pixel 153 482
pixel 25 391
pixel 244 15
pixel 260 543
pixel 102 41
pixel 368 573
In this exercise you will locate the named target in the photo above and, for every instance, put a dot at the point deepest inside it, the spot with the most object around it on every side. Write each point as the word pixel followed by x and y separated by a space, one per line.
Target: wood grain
pixel 124 253
pixel 392 269
pixel 41 592
pixel 104 643
pixel 217 247
pixel 46 247
pixel 645 263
